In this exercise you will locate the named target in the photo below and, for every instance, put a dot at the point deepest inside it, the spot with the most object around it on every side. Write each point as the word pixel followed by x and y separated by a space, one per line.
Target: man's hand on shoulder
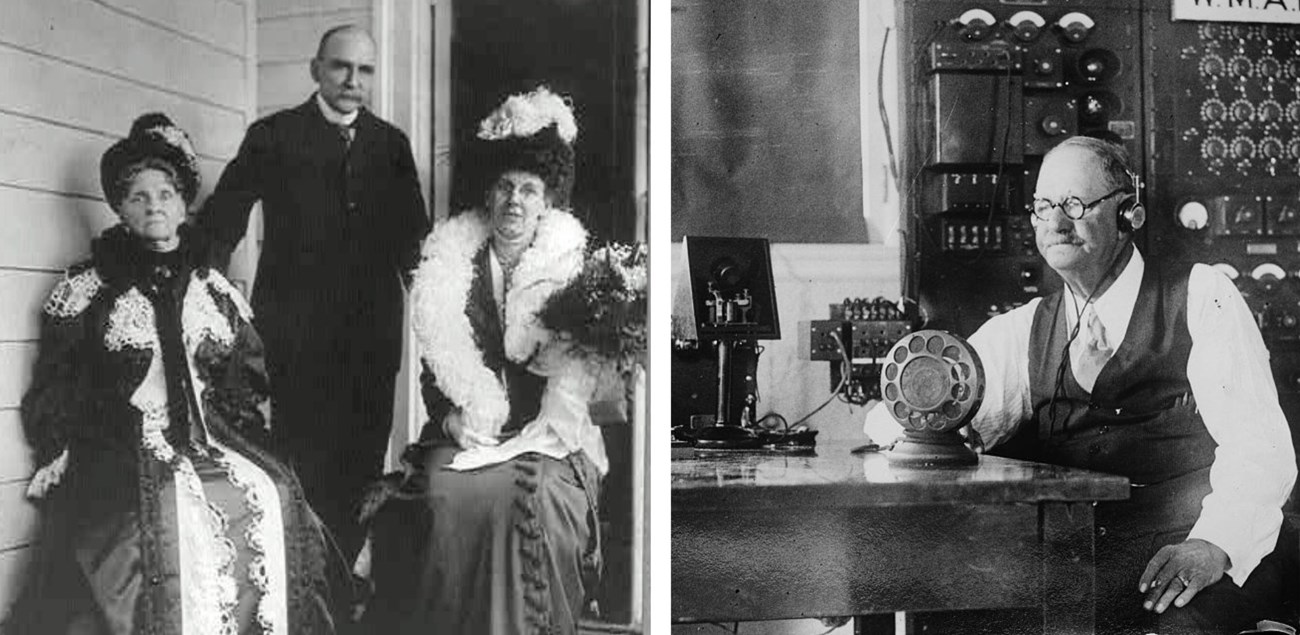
pixel 1178 572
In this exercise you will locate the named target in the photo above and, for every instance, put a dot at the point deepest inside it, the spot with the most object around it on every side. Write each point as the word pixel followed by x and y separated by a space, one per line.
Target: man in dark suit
pixel 343 218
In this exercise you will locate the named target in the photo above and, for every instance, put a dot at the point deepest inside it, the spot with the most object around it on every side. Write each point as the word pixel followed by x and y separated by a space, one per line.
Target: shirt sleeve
pixel 1254 464
pixel 1003 347
pixel 1002 344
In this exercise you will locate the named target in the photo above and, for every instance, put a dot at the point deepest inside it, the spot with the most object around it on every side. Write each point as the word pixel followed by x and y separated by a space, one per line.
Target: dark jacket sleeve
pixel 55 401
pixel 240 390
pixel 436 403
pixel 224 216
pixel 412 224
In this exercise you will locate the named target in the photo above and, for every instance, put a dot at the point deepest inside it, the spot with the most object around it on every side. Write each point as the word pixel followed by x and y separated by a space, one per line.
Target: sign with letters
pixel 1283 11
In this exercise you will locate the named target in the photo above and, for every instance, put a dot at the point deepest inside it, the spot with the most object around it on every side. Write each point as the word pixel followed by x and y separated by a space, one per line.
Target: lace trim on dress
pixel 131 323
pixel 201 318
pixel 150 398
pixel 207 555
pixel 153 423
pixel 265 539
pixel 73 294
pixel 210 571
pixel 223 286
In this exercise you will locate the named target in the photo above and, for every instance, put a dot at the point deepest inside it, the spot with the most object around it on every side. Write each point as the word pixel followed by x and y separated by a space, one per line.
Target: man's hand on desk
pixel 1178 572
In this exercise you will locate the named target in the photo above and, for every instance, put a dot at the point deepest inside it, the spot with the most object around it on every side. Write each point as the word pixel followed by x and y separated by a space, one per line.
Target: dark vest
pixel 1140 421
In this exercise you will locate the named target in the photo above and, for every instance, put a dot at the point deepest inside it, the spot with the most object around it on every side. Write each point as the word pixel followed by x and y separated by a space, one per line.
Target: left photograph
pixel 324 317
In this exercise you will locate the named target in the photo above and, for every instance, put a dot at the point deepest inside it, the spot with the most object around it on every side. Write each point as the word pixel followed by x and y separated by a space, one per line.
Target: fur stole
pixel 440 294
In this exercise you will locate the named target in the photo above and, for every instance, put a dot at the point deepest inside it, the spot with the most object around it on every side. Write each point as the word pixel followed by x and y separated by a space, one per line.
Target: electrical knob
pixel 1243 110
pixel 1244 216
pixel 976 24
pixel 1212 65
pixel 1098 65
pixel 1271 148
pixel 1213 110
pixel 1240 65
pixel 1052 125
pixel 1098 106
pixel 1243 148
pixel 1268 67
pixel 1027 25
pixel 1286 217
pixel 1214 147
pixel 1193 215
pixel 1075 26
pixel 1269 112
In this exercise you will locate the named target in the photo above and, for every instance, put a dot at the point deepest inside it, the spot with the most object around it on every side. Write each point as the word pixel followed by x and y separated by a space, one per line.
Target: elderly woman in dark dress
pixel 504 479
pixel 163 514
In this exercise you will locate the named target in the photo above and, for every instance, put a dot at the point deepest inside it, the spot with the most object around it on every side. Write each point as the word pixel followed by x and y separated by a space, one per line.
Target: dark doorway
pixel 585 49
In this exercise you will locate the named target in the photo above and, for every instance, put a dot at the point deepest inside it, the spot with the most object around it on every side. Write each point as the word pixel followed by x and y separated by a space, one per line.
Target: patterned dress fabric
pixel 171 517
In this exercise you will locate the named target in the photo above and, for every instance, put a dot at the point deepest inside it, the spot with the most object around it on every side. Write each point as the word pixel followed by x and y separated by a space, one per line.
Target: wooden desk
pixel 761 536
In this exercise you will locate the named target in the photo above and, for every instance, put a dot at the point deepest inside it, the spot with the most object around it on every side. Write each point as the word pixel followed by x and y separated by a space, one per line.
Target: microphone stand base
pixel 940 449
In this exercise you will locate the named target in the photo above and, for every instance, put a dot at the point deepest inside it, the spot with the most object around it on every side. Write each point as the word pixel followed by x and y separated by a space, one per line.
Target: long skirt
pixel 507 549
pixel 224 572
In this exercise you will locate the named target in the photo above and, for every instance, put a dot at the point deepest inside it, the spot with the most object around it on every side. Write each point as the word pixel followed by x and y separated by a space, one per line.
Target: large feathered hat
pixel 156 142
pixel 532 132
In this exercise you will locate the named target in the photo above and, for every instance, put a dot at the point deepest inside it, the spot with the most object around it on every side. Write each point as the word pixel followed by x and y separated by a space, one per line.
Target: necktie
pixel 1096 351
pixel 348 133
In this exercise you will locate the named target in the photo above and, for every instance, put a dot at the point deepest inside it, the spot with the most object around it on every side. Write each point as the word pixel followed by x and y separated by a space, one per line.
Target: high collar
pixel 333 116
pixel 123 260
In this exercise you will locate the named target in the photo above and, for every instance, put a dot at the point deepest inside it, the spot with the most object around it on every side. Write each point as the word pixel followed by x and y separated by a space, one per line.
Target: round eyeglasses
pixel 1073 208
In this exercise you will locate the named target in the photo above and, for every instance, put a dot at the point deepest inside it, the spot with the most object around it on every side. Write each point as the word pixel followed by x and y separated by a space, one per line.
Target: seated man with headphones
pixel 1157 372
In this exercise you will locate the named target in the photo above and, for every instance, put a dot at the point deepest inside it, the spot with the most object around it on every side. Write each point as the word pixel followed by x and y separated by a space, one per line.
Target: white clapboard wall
pixel 77 72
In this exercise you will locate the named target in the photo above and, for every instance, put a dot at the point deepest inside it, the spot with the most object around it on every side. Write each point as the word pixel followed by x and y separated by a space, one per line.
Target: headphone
pixel 1130 215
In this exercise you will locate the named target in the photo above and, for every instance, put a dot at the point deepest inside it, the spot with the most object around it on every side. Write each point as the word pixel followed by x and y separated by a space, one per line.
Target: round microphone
pixel 932 384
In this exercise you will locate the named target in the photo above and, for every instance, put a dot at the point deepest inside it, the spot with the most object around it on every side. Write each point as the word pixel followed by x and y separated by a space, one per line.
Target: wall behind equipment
pixel 765 120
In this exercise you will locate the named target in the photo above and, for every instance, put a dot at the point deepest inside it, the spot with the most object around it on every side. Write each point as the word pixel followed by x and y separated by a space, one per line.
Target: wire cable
pixel 884 112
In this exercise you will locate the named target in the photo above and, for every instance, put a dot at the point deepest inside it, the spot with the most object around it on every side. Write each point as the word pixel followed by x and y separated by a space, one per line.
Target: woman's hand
pixel 465 437
pixel 47 477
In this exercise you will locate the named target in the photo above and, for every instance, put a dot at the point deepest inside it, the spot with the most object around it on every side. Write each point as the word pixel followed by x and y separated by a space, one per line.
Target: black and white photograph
pixel 985 316
pixel 324 317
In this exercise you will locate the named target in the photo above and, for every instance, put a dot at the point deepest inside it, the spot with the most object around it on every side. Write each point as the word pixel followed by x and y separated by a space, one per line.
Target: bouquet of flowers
pixel 602 311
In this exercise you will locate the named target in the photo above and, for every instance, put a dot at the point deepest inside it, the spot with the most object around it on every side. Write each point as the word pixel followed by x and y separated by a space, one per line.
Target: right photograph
pixel 985 316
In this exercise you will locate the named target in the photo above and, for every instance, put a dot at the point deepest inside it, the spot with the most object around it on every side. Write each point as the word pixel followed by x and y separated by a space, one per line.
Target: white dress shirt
pixel 333 116
pixel 1254 463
